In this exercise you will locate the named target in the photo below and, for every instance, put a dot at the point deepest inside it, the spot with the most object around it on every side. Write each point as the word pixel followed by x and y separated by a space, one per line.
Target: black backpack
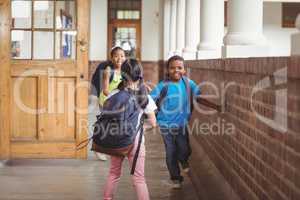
pixel 98 76
pixel 118 125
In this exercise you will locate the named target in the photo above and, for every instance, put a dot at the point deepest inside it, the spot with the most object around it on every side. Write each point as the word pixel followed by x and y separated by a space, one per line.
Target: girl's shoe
pixel 101 156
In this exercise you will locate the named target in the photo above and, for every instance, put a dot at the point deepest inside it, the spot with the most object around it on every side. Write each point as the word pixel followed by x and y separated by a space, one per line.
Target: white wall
pixel 278 38
pixel 151 30
pixel 98 27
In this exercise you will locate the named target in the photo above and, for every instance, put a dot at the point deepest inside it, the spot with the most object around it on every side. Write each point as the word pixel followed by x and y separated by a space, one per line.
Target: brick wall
pixel 255 144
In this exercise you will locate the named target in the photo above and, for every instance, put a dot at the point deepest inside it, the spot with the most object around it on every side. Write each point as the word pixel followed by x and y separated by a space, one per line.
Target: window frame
pixel 54 30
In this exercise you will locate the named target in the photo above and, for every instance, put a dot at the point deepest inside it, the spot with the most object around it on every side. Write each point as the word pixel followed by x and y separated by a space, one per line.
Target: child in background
pixel 107 78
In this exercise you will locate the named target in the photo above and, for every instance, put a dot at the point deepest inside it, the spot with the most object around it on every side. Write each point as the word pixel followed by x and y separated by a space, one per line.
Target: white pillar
pixel 245 30
pixel 212 29
pixel 295 40
pixel 192 29
pixel 180 27
pixel 167 19
pixel 173 28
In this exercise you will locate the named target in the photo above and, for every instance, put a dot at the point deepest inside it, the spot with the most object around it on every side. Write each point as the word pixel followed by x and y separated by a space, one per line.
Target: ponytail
pixel 132 71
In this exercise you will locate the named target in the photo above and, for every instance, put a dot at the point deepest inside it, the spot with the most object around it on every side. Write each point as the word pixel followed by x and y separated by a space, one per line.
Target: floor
pixel 84 179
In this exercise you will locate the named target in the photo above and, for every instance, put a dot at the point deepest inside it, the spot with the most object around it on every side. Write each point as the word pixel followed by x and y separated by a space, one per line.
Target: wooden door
pixel 48 78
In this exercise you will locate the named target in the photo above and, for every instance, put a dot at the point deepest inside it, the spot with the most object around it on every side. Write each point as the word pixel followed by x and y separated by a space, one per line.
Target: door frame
pixel 82 59
pixel 5 85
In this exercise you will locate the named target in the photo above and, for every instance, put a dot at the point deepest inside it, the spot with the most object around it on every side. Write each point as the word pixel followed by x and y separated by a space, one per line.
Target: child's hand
pixel 148 127
pixel 149 89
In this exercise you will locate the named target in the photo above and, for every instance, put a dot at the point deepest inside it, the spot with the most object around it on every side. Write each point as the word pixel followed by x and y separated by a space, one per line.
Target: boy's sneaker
pixel 176 184
pixel 185 167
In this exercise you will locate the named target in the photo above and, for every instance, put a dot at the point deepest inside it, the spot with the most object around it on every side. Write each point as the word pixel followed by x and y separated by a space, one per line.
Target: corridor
pixel 84 179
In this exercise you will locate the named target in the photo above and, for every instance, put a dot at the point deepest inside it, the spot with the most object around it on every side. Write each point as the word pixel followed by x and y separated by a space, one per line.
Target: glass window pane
pixel 120 14
pixel 21 44
pixel 128 14
pixel 136 15
pixel 58 44
pixel 125 38
pixel 42 39
pixel 66 45
pixel 21 14
pixel 65 15
pixel 43 14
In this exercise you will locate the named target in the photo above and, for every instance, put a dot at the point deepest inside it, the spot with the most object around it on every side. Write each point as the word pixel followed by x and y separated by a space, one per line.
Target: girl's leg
pixel 113 177
pixel 138 177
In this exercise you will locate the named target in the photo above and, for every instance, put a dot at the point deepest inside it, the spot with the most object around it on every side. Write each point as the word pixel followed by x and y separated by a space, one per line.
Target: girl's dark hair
pixel 115 49
pixel 131 70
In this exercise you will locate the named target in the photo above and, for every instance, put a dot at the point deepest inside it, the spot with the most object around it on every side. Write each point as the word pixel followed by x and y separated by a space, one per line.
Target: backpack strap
pixel 140 128
pixel 189 92
pixel 112 73
pixel 163 93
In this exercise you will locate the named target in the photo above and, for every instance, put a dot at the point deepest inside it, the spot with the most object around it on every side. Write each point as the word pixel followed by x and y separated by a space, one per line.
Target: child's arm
pixel 151 119
pixel 150 122
pixel 197 92
pixel 105 81
pixel 209 104
pixel 150 112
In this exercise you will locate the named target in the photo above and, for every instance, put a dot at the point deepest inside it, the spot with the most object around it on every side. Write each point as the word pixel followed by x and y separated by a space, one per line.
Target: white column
pixel 212 29
pixel 173 28
pixel 192 29
pixel 180 27
pixel 167 19
pixel 245 30
pixel 295 40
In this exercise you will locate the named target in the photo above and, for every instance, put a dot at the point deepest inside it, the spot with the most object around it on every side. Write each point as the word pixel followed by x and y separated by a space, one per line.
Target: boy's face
pixel 176 70
pixel 118 58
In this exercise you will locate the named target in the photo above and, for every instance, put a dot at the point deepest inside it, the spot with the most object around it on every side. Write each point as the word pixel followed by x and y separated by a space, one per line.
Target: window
pixel 124 26
pixel 290 12
pixel 124 9
pixel 43 29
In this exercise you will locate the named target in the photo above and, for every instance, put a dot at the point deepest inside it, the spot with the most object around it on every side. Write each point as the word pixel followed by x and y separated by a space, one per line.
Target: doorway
pixel 124 26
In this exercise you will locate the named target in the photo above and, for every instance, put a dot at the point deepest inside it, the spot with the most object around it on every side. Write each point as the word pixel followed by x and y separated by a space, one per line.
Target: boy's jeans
pixel 178 149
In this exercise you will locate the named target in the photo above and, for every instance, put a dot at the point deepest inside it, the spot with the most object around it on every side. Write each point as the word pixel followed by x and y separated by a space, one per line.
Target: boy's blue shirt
pixel 175 108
